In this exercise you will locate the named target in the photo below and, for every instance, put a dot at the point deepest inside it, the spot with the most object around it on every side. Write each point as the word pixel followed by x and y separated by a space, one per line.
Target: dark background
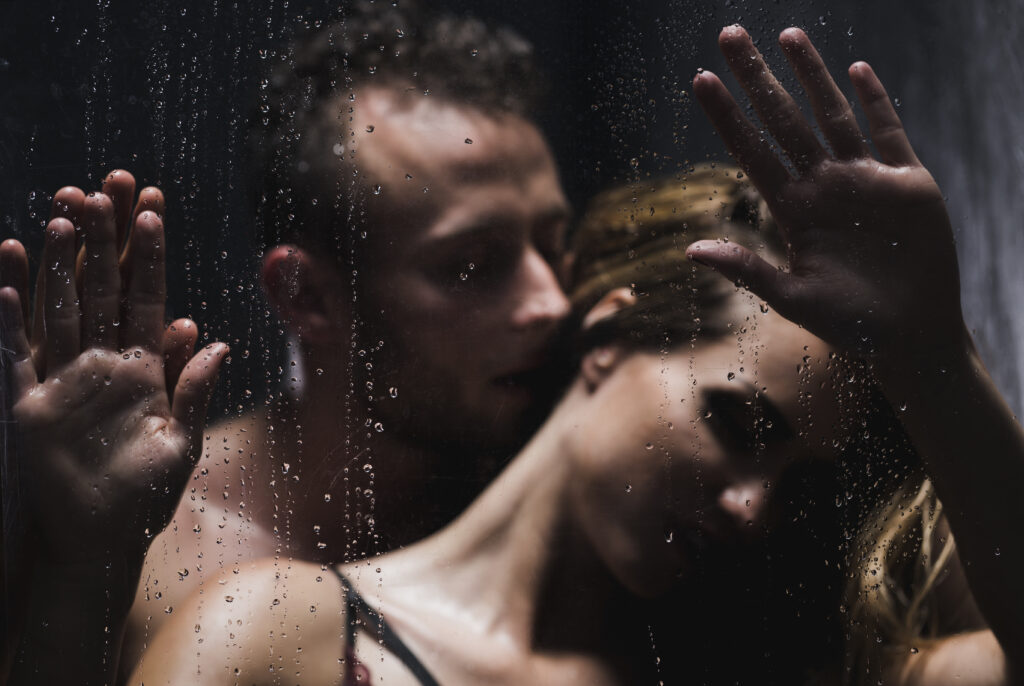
pixel 165 90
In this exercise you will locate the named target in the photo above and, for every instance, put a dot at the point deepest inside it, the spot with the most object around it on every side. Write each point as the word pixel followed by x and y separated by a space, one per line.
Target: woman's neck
pixel 513 564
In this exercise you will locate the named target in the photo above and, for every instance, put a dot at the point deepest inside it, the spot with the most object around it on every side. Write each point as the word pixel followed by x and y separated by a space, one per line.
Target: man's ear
pixel 600 362
pixel 297 289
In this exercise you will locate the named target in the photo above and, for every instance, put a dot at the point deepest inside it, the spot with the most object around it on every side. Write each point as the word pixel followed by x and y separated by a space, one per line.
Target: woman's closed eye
pixel 745 420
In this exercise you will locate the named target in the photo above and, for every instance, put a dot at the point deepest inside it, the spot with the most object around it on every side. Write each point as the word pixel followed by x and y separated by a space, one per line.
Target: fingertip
pixel 59 228
pixel 148 220
pixel 218 349
pixel 120 178
pixel 67 202
pixel 10 309
pixel 8 294
pixel 182 324
pixel 731 33
pixel 697 250
pixel 11 246
pixel 152 198
pixel 860 67
pixel 99 202
pixel 792 37
pixel 704 81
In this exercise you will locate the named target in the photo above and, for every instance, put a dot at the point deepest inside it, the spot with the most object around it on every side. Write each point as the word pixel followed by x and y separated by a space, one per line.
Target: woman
pixel 652 468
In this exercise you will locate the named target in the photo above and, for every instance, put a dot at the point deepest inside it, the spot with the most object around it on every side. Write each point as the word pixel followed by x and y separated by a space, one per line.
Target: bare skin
pixel 872 268
pixel 844 215
pixel 110 406
pixel 988 431
pixel 583 508
pixel 453 342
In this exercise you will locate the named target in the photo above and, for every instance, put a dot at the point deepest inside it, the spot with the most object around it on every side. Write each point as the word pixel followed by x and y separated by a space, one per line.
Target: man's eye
pixel 480 270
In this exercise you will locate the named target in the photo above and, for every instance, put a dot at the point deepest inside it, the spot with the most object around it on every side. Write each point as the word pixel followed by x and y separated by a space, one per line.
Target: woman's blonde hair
pixel 636 236
pixel 899 557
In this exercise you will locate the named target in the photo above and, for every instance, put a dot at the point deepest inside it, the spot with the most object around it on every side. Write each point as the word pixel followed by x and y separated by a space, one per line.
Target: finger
pixel 193 391
pixel 832 110
pixel 745 143
pixel 179 342
pixel 886 129
pixel 119 186
pixel 150 200
pixel 773 103
pixel 101 280
pixel 17 354
pixel 143 321
pixel 746 269
pixel 14 271
pixel 68 203
pixel 60 310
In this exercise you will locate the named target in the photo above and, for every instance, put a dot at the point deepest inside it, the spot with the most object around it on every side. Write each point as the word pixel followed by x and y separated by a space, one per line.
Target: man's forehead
pixel 397 134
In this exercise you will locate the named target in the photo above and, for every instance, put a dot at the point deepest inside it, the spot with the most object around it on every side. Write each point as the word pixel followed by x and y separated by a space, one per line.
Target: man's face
pixel 468 218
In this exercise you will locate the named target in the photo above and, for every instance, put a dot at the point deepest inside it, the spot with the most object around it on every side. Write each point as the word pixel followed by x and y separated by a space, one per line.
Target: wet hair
pixel 296 134
pixel 852 539
pixel 636 237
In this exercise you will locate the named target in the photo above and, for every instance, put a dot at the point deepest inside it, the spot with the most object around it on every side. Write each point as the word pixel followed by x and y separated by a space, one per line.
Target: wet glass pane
pixel 486 415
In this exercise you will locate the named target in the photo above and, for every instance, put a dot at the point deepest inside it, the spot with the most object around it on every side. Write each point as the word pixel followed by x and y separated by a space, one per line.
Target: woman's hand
pixel 872 264
pixel 109 406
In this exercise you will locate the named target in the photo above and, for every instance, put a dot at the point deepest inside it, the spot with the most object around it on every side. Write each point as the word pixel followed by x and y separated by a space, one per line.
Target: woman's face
pixel 678 451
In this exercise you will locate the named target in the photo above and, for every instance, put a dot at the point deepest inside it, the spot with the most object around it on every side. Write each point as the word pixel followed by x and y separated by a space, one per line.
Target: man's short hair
pixel 296 134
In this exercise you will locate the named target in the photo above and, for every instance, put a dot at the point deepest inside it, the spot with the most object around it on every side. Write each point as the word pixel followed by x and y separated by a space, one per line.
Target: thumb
pixel 746 269
pixel 193 391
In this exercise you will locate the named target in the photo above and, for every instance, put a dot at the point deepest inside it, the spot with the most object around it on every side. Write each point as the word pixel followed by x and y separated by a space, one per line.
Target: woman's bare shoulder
pixel 969 659
pixel 256 623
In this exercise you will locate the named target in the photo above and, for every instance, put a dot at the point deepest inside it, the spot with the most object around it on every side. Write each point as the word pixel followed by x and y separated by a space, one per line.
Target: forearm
pixel 74 624
pixel 973 450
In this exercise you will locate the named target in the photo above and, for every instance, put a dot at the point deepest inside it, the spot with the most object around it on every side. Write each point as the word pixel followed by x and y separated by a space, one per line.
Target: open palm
pixel 109 407
pixel 872 263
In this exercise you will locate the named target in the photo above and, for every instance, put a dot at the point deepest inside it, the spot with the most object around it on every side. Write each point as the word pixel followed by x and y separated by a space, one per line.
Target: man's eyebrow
pixel 467 232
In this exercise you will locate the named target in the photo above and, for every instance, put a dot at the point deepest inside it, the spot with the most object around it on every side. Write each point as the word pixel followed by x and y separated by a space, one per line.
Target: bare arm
pixel 109 410
pixel 872 269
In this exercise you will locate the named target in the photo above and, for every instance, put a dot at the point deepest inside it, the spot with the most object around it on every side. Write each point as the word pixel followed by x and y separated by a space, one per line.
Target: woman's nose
pixel 743 501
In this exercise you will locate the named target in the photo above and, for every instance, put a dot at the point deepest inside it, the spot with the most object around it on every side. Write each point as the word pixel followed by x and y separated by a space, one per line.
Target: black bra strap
pixel 357 607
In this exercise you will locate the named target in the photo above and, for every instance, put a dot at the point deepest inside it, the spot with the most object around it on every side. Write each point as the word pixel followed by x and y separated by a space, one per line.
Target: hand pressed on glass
pixel 872 264
pixel 107 434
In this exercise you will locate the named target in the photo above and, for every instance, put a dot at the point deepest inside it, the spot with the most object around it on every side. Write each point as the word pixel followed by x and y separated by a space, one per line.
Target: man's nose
pixel 744 501
pixel 542 301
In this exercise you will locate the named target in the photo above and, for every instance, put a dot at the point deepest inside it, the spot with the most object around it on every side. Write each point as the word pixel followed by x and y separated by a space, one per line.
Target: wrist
pixel 929 371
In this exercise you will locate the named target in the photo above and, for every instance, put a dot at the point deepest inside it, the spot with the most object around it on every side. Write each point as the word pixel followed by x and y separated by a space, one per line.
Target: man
pixel 413 217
